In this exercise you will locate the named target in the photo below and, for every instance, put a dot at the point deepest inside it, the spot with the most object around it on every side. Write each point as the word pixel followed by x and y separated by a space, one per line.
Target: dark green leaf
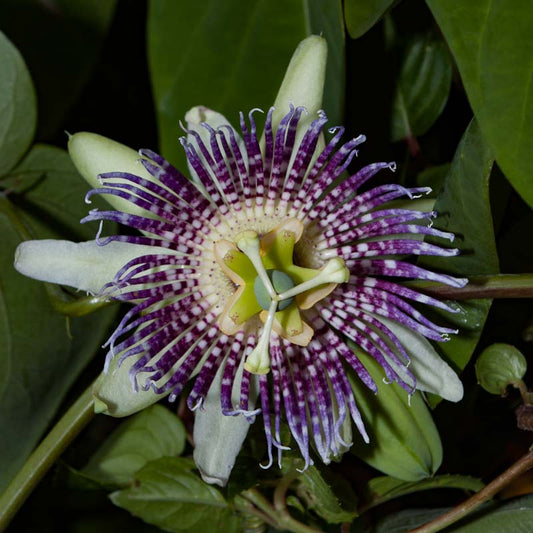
pixel 148 435
pixel 406 520
pixel 42 352
pixel 18 111
pixel 492 43
pixel 168 494
pixel 328 494
pixel 72 479
pixel 512 517
pixel 60 41
pixel 404 441
pixel 433 177
pixel 384 488
pixel 464 209
pixel 422 87
pixel 231 56
pixel 49 190
pixel 325 18
pixel 361 16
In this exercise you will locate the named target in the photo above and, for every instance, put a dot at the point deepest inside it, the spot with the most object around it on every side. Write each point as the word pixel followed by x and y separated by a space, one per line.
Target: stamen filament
pixel 248 244
pixel 334 271
pixel 258 362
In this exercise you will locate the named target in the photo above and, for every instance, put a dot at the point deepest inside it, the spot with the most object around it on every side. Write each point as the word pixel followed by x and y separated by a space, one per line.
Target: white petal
pixel 218 438
pixel 432 373
pixel 114 394
pixel 85 265
pixel 94 154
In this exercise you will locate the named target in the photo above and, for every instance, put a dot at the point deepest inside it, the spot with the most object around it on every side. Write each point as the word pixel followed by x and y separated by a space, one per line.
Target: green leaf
pixel 168 494
pixel 60 42
pixel 41 352
pixel 404 441
pixel 18 111
pixel 151 434
pixel 492 43
pixel 325 18
pixel 385 488
pixel 328 494
pixel 231 56
pixel 422 87
pixel 361 16
pixel 464 209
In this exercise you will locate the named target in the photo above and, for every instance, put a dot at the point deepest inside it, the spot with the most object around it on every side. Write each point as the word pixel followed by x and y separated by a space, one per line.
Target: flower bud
pixel 498 366
pixel 94 154
pixel 303 84
pixel 218 438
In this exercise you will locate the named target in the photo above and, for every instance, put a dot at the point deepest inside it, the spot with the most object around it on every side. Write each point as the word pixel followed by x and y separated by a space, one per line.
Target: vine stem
pixel 277 513
pixel 485 494
pixel 499 286
pixel 45 455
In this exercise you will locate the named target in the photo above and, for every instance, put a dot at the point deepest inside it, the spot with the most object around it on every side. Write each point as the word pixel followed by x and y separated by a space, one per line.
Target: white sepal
pixel 114 394
pixel 85 265
pixel 431 372
pixel 218 438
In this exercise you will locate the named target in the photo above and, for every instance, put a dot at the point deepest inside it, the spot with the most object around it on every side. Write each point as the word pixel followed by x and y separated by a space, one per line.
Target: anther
pixel 334 271
pixel 258 362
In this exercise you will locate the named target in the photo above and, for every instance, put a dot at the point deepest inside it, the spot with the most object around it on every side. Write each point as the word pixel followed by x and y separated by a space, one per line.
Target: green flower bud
pixel 499 366
pixel 404 442
pixel 94 154
pixel 303 84
pixel 304 79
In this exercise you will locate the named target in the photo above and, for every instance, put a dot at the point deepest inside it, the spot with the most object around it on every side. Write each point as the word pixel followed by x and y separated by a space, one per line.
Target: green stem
pixel 44 456
pixel 527 397
pixel 485 494
pixel 69 306
pixel 278 514
pixel 246 507
pixel 499 286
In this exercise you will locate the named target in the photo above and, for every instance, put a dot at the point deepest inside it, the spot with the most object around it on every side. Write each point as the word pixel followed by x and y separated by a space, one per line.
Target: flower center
pixel 269 285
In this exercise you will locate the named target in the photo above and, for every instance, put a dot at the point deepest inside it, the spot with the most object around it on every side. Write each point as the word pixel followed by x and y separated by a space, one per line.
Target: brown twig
pixel 485 494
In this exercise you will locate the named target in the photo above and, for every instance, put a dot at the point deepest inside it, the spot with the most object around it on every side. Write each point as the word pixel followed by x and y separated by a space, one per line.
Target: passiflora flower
pixel 247 279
